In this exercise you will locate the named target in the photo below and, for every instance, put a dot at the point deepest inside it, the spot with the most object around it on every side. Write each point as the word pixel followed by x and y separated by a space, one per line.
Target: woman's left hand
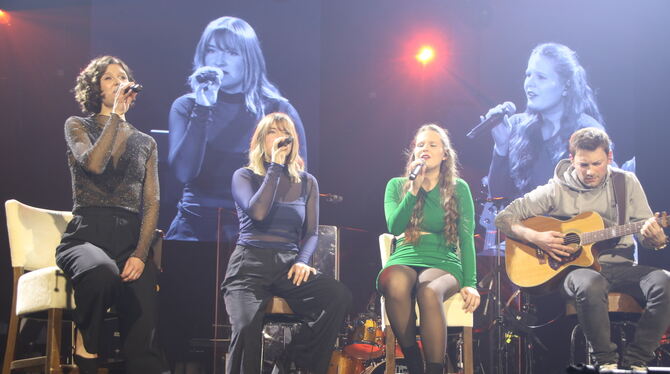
pixel 471 297
pixel 300 273
pixel 132 270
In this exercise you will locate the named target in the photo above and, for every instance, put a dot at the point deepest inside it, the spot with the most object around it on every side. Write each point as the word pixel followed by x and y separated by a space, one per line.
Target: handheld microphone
pixel 416 171
pixel 285 142
pixel 135 87
pixel 206 76
pixel 508 109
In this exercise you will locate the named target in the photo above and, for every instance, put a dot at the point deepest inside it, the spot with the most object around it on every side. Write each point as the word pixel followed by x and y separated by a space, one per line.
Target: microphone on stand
pixel 416 171
pixel 331 197
pixel 508 109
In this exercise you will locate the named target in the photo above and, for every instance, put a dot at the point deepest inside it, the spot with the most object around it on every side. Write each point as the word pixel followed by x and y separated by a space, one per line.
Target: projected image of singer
pixel 278 206
pixel 528 145
pixel 432 216
pixel 211 126
pixel 105 250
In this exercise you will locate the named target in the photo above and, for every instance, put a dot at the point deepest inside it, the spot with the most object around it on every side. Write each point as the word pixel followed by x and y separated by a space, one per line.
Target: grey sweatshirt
pixel 565 197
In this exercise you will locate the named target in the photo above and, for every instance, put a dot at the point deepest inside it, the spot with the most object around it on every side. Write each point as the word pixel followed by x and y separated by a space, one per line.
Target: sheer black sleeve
pixel 256 204
pixel 311 225
pixel 150 205
pixel 92 157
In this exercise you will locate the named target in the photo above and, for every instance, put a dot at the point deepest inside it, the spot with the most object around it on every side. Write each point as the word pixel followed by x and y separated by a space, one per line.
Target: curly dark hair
pixel 87 90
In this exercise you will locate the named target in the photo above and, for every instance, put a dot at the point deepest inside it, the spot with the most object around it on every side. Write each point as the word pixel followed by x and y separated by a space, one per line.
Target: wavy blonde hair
pixel 446 183
pixel 257 156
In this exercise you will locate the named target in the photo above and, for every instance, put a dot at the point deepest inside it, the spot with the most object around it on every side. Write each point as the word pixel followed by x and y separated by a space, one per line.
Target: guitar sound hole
pixel 571 239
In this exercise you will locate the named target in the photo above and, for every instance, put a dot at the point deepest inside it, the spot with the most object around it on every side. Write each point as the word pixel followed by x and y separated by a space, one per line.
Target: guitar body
pixel 531 268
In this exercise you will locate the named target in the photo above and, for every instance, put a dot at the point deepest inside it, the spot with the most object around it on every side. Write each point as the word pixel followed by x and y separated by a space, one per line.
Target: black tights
pixel 430 287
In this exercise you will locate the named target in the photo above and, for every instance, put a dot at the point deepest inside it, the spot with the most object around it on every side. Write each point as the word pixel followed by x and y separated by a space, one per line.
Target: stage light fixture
pixel 426 54
pixel 4 17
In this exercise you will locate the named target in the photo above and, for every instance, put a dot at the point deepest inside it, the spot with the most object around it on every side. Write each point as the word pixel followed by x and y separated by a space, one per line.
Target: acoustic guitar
pixel 531 268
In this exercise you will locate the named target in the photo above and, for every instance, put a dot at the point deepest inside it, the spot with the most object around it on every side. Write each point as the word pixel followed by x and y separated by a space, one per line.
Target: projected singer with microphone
pixel 528 145
pixel 210 127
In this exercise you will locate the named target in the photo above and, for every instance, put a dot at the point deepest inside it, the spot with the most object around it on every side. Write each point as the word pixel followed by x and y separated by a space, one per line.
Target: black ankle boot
pixel 86 365
pixel 413 359
pixel 434 368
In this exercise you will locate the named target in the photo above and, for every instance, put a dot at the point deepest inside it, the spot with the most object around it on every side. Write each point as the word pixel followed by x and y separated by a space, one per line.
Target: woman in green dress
pixel 432 217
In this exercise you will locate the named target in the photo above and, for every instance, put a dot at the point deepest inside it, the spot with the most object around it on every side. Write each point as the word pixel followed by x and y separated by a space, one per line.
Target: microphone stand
pixel 510 324
pixel 499 363
pixel 498 308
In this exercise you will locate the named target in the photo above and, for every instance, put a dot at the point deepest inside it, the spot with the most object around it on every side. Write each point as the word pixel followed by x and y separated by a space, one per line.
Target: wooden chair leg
pixel 390 351
pixel 13 330
pixel 12 334
pixel 54 326
pixel 468 359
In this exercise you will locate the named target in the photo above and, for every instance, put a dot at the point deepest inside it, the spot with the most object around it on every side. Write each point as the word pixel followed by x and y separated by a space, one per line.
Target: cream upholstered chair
pixel 453 309
pixel 39 285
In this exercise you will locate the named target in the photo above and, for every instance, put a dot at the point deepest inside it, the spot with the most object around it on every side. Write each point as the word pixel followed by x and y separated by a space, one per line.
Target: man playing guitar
pixel 587 182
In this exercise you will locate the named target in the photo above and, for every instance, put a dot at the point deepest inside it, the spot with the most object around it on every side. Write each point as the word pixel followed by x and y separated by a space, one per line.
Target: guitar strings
pixel 571 239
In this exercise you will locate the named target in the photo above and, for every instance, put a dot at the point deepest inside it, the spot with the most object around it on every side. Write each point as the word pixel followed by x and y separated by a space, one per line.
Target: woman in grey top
pixel 105 247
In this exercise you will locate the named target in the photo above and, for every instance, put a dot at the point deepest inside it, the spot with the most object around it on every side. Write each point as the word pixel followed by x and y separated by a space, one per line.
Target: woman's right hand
pixel 123 99
pixel 415 185
pixel 501 132
pixel 279 154
pixel 205 83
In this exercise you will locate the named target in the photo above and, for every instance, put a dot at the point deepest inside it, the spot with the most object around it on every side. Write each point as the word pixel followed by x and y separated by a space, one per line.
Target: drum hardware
pixel 380 367
pixel 367 339
pixel 509 325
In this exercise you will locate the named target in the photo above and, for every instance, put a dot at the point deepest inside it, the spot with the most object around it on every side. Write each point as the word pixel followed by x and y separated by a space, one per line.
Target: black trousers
pixel 253 276
pixel 94 249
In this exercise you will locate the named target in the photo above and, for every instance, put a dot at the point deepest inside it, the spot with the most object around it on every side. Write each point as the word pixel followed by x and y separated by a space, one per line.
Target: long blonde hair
pixel 447 185
pixel 257 156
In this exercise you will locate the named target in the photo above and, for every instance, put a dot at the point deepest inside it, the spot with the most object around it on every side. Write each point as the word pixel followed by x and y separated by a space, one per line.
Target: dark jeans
pixel 649 285
pixel 254 275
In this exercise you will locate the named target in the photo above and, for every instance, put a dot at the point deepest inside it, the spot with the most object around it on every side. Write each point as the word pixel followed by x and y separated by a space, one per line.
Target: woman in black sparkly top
pixel 115 192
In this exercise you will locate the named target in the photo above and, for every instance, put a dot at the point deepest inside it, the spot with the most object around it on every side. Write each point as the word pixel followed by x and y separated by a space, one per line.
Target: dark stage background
pixel 347 66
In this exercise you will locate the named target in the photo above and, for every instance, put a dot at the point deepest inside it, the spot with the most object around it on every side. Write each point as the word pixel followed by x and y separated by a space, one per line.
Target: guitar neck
pixel 611 232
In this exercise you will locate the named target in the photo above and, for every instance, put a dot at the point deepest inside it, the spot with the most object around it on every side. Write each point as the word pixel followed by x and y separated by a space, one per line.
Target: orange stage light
pixel 4 17
pixel 425 55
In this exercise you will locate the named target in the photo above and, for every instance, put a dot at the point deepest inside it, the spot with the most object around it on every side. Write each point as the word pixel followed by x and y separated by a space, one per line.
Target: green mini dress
pixel 432 250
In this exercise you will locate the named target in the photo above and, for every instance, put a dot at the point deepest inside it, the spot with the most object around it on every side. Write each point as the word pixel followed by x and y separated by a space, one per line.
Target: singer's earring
pixel 565 93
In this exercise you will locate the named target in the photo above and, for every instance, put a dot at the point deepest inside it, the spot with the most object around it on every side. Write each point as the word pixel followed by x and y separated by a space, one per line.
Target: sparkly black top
pixel 114 165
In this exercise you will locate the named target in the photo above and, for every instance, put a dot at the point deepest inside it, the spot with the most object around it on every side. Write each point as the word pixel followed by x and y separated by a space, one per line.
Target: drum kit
pixel 361 349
